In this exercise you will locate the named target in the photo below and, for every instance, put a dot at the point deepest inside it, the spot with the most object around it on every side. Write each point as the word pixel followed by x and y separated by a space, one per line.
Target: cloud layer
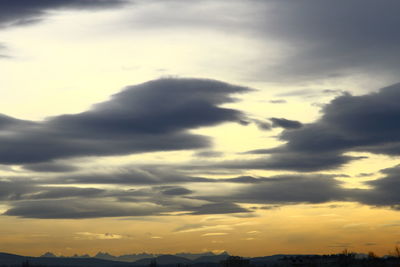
pixel 366 123
pixel 154 116
pixel 21 12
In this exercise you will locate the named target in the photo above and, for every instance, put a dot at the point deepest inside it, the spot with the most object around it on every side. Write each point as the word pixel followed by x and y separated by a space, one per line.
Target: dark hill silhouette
pixel 282 260
pixel 8 259
pixel 16 260
pixel 110 257
pixel 48 255
pixel 163 260
pixel 135 257
pixel 261 261
pixel 193 256
pixel 105 256
pixel 212 259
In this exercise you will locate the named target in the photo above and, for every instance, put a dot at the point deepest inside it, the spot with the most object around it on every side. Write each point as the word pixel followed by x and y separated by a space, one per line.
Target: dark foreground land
pixel 223 260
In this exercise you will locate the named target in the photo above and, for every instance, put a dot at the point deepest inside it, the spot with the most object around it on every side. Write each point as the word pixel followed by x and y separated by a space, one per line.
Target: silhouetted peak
pixel 193 256
pixel 105 256
pixel 102 254
pixel 81 256
pixel 48 255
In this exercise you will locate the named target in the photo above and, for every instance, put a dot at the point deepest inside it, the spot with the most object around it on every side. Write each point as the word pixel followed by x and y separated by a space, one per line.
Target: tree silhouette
pixel 235 261
pixel 153 263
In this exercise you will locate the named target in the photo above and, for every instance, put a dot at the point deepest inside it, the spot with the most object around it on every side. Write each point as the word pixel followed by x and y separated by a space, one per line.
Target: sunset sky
pixel 255 127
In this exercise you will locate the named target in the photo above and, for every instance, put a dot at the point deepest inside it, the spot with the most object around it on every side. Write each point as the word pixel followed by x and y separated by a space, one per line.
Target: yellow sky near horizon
pixel 299 229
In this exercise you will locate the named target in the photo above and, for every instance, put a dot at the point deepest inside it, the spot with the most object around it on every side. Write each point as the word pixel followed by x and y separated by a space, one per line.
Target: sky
pixel 255 127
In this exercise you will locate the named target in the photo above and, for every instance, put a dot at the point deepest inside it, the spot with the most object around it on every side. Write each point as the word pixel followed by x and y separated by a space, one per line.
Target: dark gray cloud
pixel 208 154
pixel 285 123
pixel 262 125
pixel 22 12
pixel 320 39
pixel 26 189
pixel 14 190
pixel 335 38
pixel 289 160
pixel 176 191
pixel 78 209
pixel 25 200
pixel 144 175
pixel 67 202
pixel 32 199
pixel 125 175
pixel 64 192
pixel 312 93
pixel 293 189
pixel 242 179
pixel 7 122
pixel 365 123
pixel 219 208
pixel 50 167
pixel 278 101
pixel 153 116
pixel 384 191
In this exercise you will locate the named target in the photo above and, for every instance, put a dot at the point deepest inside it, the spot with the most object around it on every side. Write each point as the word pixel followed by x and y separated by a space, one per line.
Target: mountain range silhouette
pixel 208 259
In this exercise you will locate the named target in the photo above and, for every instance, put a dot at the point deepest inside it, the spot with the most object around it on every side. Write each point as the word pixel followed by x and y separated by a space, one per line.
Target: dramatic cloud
pixel 285 123
pixel 78 209
pixel 38 200
pixel 384 191
pixel 64 192
pixel 176 191
pixel 22 12
pixel 317 39
pixel 50 167
pixel 289 160
pixel 146 175
pixel 219 208
pixel 209 154
pixel 154 116
pixel 366 123
pixel 26 190
pixel 13 190
pixel 334 38
pixel 288 190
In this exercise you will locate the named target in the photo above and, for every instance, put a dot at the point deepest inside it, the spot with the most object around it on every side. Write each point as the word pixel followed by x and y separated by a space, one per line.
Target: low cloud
pixel 94 236
pixel 293 189
pixel 78 209
pixel 50 167
pixel 35 200
pixel 219 208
